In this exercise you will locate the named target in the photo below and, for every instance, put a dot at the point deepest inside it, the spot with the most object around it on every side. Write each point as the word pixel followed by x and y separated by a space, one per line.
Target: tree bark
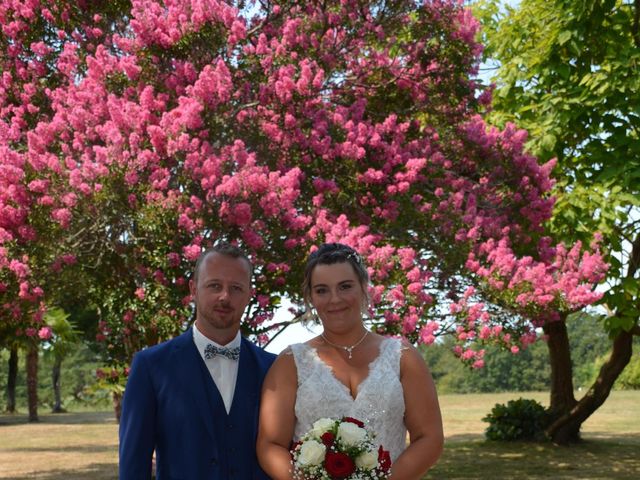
pixel 117 404
pixel 32 381
pixel 12 378
pixel 563 427
pixel 55 379
pixel 562 398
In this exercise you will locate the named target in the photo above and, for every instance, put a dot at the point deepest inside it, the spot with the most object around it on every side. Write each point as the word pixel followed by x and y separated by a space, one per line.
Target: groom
pixel 194 399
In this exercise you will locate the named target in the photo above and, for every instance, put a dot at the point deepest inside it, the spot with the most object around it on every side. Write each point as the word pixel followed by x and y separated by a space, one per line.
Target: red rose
pixel 339 465
pixel 328 438
pixel 353 420
pixel 384 459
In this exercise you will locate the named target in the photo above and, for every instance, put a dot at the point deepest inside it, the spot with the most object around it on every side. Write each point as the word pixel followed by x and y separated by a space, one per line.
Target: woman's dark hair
pixel 328 254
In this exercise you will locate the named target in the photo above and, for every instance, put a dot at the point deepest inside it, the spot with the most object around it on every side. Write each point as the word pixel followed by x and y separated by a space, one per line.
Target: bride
pixel 348 371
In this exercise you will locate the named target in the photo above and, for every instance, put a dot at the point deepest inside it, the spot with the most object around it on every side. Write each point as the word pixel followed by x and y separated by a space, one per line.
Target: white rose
pixel 321 426
pixel 367 461
pixel 350 434
pixel 311 453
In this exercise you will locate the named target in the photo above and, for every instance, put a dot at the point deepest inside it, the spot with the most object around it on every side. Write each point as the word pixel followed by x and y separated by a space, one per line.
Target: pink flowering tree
pixel 166 126
pixel 35 201
pixel 566 71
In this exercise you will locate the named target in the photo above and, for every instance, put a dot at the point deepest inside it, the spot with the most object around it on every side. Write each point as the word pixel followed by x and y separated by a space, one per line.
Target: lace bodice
pixel 379 402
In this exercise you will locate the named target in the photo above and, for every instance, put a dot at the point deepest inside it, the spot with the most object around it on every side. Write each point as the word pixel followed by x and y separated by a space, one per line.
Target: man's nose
pixel 224 293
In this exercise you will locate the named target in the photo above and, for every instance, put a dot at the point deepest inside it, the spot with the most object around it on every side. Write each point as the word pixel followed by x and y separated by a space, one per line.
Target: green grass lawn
pixel 83 445
pixel 610 446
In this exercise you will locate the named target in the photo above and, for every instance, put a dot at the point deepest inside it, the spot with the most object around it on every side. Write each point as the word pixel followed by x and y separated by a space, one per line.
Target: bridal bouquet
pixel 339 449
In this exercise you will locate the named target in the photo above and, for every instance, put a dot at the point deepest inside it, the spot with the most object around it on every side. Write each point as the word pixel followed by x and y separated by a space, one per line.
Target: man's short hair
pixel 223 248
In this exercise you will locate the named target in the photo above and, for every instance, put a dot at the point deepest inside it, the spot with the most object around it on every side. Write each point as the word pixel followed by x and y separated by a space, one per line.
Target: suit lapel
pixel 196 382
pixel 245 395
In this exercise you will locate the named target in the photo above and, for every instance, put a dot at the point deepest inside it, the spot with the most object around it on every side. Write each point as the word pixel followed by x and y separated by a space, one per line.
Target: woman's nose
pixel 333 296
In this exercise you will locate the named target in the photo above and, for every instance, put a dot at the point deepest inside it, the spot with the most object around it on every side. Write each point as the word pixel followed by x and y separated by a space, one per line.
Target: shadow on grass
pixel 88 449
pixel 61 418
pixel 591 459
pixel 95 471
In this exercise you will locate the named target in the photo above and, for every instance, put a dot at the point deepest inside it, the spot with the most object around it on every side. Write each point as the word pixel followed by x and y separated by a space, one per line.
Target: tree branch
pixel 634 256
pixel 635 28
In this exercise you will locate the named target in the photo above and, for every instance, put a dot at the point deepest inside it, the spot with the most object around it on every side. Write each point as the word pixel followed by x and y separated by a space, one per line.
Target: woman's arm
pixel 277 418
pixel 422 418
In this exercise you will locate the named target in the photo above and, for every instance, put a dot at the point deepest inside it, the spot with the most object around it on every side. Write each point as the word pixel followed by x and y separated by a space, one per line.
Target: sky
pixel 296 333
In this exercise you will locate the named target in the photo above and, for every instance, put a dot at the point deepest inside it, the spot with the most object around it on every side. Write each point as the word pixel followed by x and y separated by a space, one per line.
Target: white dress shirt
pixel 223 370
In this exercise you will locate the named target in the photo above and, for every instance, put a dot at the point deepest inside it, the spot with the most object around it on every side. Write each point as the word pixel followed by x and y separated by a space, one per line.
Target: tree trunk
pixel 32 381
pixel 562 399
pixel 561 370
pixel 12 378
pixel 55 379
pixel 117 404
pixel 562 428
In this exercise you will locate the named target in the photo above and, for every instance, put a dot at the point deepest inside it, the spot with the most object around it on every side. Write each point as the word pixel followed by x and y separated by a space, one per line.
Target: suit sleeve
pixel 137 423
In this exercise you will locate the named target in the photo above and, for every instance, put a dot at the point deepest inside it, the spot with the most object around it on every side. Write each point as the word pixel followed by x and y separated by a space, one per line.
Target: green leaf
pixel 630 286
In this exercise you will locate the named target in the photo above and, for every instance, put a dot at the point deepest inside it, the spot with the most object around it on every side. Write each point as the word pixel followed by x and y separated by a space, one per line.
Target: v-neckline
pixel 346 389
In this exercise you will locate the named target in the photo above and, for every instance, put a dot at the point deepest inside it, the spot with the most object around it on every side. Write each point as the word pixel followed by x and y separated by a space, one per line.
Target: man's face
pixel 222 293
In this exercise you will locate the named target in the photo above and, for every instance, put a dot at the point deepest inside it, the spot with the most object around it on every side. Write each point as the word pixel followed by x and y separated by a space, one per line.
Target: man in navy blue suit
pixel 194 400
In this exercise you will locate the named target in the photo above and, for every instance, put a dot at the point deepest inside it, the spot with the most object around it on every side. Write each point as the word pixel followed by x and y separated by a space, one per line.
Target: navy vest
pixel 233 455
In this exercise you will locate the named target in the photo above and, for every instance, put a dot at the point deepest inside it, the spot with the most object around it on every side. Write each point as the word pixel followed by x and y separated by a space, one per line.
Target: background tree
pixel 568 73
pixel 161 127
pixel 12 377
pixel 503 371
pixel 63 342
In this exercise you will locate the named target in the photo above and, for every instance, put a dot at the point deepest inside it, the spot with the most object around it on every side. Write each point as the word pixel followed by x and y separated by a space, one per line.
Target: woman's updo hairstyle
pixel 328 254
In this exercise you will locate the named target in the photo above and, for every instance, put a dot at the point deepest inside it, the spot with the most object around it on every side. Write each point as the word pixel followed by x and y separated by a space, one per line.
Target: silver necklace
pixel 348 349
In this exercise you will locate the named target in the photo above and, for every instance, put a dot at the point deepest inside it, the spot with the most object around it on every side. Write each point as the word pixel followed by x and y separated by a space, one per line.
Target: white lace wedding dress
pixel 379 402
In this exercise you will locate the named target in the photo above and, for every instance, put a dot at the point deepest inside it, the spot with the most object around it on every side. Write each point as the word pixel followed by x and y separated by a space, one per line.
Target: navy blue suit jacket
pixel 171 405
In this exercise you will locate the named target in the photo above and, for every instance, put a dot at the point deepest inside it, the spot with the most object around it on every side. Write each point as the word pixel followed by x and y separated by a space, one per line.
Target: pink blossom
pixel 242 214
pixel 173 259
pixel 45 333
pixel 478 364
pixel 62 216
pixel 191 252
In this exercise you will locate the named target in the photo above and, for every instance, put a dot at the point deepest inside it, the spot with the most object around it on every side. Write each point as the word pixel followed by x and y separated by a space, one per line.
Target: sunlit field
pixel 84 445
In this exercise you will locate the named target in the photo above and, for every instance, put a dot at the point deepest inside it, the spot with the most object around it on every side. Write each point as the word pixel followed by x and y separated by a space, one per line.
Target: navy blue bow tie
pixel 212 351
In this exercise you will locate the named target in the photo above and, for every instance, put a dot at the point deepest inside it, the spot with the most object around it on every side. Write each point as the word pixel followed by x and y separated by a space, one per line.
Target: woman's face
pixel 337 295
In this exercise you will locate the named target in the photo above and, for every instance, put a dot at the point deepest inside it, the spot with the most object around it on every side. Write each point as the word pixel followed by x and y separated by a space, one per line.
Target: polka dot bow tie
pixel 211 351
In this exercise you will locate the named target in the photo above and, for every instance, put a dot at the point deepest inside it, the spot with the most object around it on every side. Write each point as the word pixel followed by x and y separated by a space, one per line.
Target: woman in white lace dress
pixel 349 371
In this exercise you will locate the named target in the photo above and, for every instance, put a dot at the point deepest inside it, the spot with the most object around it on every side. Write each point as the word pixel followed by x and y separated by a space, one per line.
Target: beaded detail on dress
pixel 379 402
